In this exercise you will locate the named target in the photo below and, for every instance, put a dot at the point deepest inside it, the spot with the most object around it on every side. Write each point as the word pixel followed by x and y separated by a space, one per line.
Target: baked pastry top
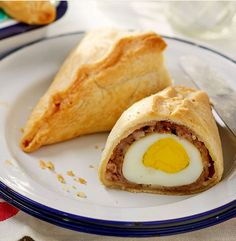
pixel 107 72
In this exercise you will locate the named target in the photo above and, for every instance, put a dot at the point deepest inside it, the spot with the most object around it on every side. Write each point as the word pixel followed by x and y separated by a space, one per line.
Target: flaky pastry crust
pixel 105 74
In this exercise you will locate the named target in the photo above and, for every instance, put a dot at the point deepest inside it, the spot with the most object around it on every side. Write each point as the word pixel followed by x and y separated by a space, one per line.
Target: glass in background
pixel 203 19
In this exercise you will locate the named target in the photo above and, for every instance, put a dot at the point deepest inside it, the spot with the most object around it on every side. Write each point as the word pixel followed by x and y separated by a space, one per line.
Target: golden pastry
pixel 167 143
pixel 30 12
pixel 105 74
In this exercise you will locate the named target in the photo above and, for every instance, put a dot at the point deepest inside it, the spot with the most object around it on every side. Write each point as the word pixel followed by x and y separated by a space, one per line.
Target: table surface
pixel 86 15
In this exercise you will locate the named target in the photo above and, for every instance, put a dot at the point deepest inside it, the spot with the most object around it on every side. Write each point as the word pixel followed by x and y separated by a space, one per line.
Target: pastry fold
pixel 30 12
pixel 176 112
pixel 106 73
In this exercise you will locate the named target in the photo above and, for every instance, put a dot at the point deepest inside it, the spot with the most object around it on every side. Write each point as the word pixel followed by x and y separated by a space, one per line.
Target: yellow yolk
pixel 166 155
pixel 162 159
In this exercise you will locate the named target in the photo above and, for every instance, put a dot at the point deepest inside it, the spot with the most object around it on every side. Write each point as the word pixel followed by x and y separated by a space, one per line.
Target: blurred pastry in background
pixel 30 12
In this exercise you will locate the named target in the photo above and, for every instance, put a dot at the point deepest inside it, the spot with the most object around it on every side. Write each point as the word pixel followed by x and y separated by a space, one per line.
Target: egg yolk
pixel 166 155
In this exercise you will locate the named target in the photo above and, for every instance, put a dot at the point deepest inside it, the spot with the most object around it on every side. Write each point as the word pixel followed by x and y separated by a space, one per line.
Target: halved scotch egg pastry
pixel 105 74
pixel 167 143
pixel 30 12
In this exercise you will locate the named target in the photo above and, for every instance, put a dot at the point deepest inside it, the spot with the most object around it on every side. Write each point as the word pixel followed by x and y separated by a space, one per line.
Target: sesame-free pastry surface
pixel 107 72
pixel 167 143
pixel 30 12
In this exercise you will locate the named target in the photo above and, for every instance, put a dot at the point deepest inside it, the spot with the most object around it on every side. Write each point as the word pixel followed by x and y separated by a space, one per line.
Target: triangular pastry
pixel 167 143
pixel 105 74
pixel 30 12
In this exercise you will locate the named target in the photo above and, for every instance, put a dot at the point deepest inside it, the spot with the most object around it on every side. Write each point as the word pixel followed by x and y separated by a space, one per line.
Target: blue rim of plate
pixel 135 225
pixel 23 27
pixel 110 222
pixel 18 203
pixel 120 232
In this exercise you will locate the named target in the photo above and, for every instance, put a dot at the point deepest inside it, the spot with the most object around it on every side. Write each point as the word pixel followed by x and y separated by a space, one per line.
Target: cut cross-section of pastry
pixel 30 12
pixel 167 143
pixel 104 75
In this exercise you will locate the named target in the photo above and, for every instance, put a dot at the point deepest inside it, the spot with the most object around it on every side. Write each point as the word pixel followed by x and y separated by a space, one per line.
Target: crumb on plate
pixel 91 166
pixel 22 130
pixel 81 194
pixel 50 166
pixel 42 164
pixel 70 173
pixel 82 180
pixel 60 178
pixel 74 187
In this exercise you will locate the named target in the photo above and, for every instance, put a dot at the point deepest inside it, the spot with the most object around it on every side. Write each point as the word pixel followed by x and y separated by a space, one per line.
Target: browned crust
pixel 85 80
pixel 30 12
pixel 114 166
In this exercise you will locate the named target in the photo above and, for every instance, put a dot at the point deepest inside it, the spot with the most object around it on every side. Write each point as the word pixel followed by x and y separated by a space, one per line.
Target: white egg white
pixel 135 171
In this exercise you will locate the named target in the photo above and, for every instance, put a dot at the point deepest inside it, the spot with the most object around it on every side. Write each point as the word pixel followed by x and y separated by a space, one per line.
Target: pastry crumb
pixel 22 130
pixel 50 166
pixel 81 194
pixel 91 166
pixel 60 178
pixel 8 162
pixel 42 164
pixel 70 173
pixel 82 180
pixel 96 146
pixel 74 187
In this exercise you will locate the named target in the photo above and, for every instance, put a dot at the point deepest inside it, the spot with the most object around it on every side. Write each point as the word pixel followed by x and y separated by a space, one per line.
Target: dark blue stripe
pixel 121 232
pixel 15 201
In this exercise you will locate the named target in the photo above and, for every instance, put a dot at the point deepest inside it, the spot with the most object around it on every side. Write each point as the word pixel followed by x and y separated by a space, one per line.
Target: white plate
pixel 25 75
